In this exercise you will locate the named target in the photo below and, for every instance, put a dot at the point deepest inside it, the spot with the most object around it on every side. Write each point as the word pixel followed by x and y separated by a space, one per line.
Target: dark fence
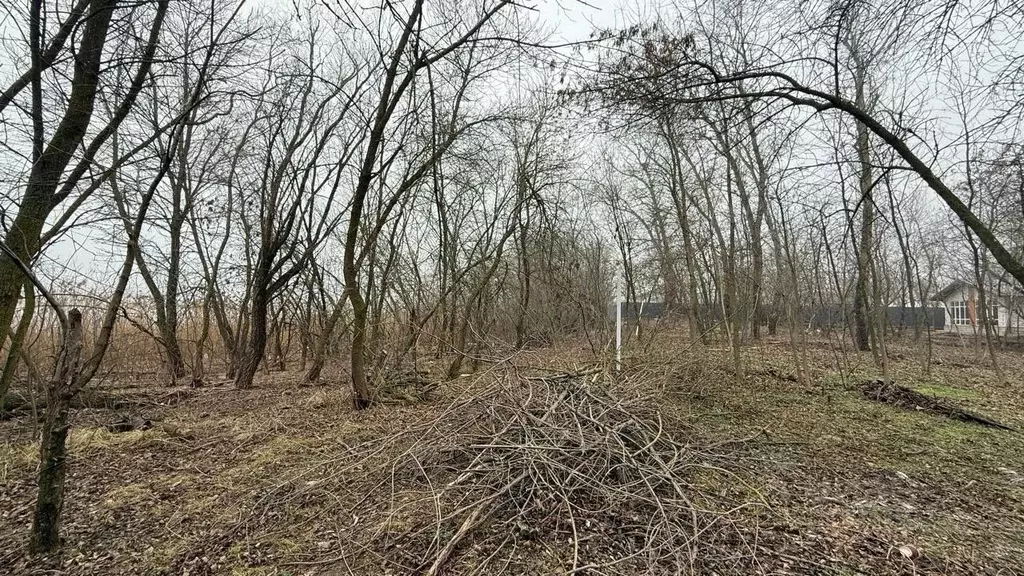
pixel 816 317
pixel 634 310
pixel 898 316
pixel 907 317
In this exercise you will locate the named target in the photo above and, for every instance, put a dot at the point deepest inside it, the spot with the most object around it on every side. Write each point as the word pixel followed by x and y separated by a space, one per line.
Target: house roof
pixel 950 289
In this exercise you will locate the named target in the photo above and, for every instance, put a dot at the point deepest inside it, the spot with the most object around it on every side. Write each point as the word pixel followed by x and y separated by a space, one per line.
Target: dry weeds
pixel 672 467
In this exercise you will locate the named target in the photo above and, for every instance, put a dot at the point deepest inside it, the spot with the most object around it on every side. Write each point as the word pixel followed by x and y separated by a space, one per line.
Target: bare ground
pixel 760 476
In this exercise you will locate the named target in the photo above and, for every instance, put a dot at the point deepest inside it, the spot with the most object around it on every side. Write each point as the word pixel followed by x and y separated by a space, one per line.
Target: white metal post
pixel 618 324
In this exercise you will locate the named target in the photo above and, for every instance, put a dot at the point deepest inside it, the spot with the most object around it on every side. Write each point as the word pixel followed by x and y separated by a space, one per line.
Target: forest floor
pixel 285 479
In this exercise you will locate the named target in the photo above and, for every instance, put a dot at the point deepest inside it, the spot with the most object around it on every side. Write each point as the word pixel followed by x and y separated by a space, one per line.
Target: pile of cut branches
pixel 407 386
pixel 883 390
pixel 538 474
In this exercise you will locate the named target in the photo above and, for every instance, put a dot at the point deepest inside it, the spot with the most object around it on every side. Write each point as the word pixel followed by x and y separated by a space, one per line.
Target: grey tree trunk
pixel 321 343
pixel 17 339
pixel 53 448
pixel 861 298
pixel 257 344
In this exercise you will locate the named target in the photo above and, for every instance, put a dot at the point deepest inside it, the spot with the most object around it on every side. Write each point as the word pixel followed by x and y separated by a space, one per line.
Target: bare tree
pixel 49 183
pixel 409 56
pixel 649 68
pixel 292 192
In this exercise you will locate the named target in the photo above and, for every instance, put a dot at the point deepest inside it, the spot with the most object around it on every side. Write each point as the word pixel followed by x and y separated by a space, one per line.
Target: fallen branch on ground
pixel 886 391
pixel 551 474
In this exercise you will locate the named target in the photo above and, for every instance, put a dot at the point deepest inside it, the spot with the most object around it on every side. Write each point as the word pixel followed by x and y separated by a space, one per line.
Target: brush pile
pixel 884 390
pixel 555 474
pixel 408 386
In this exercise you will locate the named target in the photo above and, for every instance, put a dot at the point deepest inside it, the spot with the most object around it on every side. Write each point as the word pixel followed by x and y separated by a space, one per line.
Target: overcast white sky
pixel 569 20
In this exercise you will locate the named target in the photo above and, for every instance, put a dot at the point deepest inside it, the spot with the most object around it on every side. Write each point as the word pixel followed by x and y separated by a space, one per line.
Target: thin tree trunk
pixel 983 314
pixel 199 361
pixel 53 448
pixel 279 350
pixel 360 387
pixel 861 299
pixel 320 346
pixel 17 340
pixel 257 343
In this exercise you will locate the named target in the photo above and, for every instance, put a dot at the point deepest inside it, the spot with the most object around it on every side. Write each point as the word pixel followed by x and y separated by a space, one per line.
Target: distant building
pixel 634 310
pixel 963 312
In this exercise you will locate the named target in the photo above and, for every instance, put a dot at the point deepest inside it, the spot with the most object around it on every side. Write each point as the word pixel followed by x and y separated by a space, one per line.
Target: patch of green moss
pixel 954 433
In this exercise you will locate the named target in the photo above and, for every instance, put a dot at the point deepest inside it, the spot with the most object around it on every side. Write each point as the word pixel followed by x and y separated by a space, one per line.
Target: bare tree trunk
pixel 879 322
pixel 360 386
pixel 169 330
pixel 199 361
pixel 984 314
pixel 459 344
pixel 53 448
pixel 306 333
pixel 524 275
pixel 697 326
pixel 257 344
pixel 730 290
pixel 861 298
pixel 862 337
pixel 321 343
pixel 279 349
pixel 17 340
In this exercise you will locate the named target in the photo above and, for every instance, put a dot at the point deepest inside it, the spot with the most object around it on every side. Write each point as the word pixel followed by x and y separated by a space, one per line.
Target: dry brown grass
pixel 785 478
